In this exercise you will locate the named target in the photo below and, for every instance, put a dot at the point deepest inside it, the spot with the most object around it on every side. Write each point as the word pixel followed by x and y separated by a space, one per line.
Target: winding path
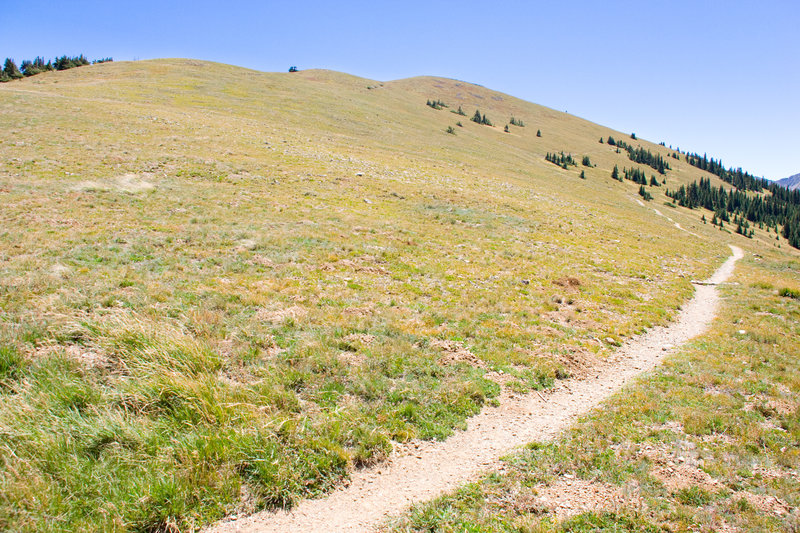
pixel 425 470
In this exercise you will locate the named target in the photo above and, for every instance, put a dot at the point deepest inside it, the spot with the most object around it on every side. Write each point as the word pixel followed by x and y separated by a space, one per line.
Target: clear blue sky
pixel 721 77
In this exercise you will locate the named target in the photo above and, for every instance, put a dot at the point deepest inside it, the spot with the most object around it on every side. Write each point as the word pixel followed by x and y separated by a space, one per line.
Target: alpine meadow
pixel 225 292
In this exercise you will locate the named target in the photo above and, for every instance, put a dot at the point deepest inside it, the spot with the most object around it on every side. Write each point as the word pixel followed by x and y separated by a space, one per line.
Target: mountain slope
pixel 792 182
pixel 222 289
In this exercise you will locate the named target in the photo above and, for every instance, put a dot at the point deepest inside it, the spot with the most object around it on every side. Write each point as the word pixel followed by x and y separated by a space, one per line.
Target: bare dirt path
pixel 659 213
pixel 422 471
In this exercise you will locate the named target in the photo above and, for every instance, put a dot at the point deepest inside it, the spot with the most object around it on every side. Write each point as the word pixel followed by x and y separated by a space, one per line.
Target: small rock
pixel 742 332
pixel 367 201
pixel 359 173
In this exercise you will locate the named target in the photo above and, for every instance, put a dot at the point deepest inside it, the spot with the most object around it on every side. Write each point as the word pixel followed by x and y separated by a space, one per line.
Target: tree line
pixel 737 178
pixel 780 208
pixel 36 66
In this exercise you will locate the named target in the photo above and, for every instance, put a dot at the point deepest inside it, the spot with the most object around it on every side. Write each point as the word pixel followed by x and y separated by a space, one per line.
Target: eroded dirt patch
pixel 455 352
pixel 569 496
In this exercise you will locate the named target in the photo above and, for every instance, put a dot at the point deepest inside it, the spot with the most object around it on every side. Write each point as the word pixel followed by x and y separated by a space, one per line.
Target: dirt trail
pixel 422 471
pixel 659 213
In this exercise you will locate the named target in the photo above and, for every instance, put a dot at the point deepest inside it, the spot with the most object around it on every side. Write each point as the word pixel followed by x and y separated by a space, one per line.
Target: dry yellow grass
pixel 194 245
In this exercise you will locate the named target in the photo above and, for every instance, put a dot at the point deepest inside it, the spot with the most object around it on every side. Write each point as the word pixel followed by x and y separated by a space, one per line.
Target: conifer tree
pixel 538 133
pixel 477 116
pixel 615 173
pixel 11 70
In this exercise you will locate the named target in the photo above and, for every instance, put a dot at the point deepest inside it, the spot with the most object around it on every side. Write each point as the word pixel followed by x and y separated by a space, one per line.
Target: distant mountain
pixel 792 182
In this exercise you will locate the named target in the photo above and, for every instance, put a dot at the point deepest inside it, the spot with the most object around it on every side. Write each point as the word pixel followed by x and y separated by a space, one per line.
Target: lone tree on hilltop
pixel 292 69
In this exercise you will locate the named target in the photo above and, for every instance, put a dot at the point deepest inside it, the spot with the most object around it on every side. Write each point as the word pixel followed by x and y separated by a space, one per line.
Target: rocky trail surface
pixel 424 470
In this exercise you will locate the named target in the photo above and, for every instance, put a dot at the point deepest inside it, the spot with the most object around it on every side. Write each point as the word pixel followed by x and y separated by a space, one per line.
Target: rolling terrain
pixel 222 290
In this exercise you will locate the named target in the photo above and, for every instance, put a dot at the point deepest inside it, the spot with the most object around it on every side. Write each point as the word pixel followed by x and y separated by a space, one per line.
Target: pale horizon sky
pixel 712 77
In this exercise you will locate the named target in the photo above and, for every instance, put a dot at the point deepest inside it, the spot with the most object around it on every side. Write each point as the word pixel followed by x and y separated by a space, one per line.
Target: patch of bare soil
pixel 578 362
pixel 568 282
pixel 569 496
pixel 683 476
pixel 763 503
pixel 678 466
pixel 95 358
pixel 455 352
pixel 130 183
pixel 279 316
pixel 412 475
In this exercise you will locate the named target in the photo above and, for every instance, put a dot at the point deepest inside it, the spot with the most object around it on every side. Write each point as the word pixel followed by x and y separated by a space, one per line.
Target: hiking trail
pixel 421 471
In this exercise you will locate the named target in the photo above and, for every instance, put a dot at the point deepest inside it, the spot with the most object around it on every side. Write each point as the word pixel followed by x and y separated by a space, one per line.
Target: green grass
pixel 202 315
pixel 709 439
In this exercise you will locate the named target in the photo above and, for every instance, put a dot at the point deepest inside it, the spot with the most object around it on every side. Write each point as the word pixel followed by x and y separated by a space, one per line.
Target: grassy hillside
pixel 709 442
pixel 222 289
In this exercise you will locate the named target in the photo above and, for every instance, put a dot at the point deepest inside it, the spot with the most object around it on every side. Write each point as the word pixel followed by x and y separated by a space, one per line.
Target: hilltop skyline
pixel 709 78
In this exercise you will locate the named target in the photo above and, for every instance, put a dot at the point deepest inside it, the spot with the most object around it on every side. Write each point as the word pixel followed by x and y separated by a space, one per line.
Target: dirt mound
pixel 455 352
